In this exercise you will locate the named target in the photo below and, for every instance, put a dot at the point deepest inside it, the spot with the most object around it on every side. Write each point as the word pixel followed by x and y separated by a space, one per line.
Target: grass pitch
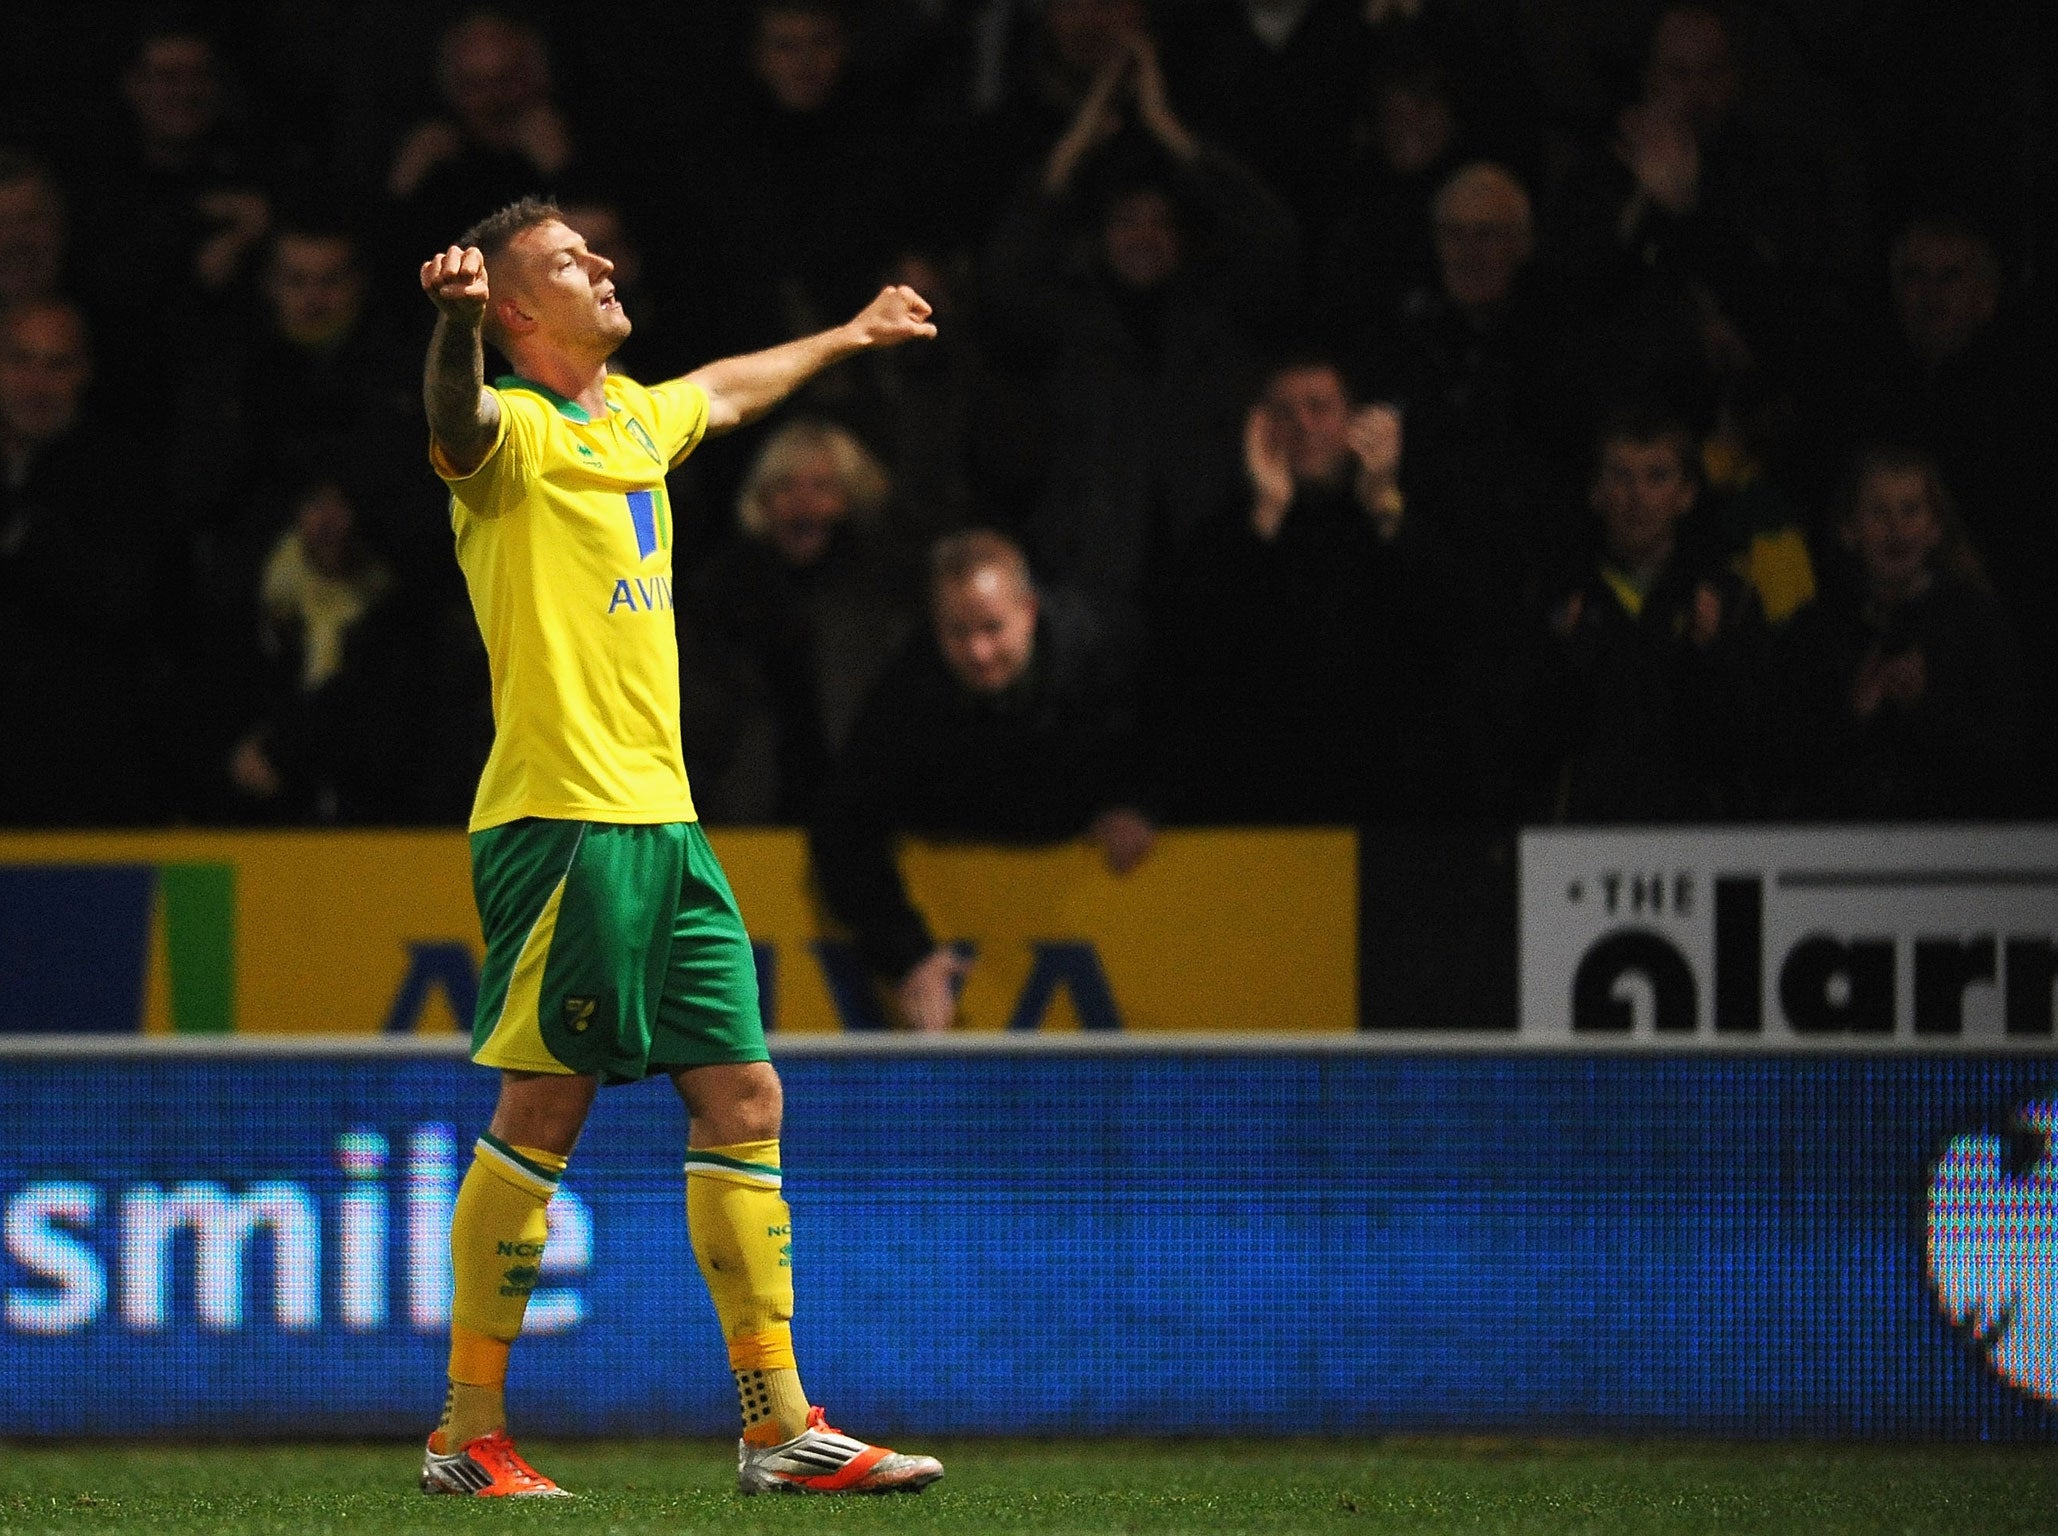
pixel 1077 1488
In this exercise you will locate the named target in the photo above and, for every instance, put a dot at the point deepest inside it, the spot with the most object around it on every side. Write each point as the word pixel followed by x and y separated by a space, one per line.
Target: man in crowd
pixel 170 219
pixel 501 131
pixel 795 191
pixel 1483 361
pixel 308 381
pixel 1957 373
pixel 1648 698
pixel 1147 350
pixel 34 230
pixel 1693 196
pixel 1003 722
pixel 82 579
pixel 1971 380
pixel 1304 660
pixel 301 385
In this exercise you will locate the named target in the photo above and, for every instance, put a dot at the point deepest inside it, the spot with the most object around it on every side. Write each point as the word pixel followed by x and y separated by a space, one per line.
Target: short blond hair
pixel 863 478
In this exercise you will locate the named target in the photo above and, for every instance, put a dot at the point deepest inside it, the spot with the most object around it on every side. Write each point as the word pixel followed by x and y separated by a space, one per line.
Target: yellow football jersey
pixel 564 534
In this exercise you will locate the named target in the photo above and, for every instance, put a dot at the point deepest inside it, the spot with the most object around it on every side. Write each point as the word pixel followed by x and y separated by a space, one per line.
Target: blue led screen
pixel 1055 1243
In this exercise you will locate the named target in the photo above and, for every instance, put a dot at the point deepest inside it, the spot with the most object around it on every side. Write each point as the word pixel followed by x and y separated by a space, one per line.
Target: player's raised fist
pixel 456 282
pixel 898 314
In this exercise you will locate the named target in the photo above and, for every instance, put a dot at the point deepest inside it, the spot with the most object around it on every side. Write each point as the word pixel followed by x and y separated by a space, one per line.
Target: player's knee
pixel 759 1106
pixel 732 1104
pixel 545 1110
pixel 745 1120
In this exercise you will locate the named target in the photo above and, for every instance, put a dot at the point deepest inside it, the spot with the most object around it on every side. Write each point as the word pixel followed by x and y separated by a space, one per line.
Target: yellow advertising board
pixel 337 932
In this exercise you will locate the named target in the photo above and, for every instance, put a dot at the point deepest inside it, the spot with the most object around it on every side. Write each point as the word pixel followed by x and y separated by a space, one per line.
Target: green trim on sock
pixel 733 1164
pixel 550 1176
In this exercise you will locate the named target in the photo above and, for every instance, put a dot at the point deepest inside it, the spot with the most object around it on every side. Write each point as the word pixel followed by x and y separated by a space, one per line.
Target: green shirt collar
pixel 571 410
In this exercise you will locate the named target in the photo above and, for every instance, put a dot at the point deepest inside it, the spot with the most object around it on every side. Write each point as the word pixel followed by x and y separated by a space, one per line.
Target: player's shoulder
pixel 676 408
pixel 682 390
pixel 625 391
pixel 535 401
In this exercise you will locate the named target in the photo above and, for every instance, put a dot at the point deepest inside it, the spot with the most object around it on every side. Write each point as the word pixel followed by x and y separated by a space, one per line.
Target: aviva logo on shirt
pixel 118 946
pixel 650 517
pixel 642 594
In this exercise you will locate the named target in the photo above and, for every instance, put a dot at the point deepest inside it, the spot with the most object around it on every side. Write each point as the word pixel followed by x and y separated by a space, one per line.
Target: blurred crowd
pixel 1343 411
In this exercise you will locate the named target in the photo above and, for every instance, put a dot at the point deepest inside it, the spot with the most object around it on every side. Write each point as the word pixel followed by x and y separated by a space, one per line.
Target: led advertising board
pixel 1071 1241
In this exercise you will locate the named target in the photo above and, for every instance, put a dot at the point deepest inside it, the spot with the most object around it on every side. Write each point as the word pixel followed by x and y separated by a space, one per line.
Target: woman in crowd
pixel 332 741
pixel 788 625
pixel 1908 694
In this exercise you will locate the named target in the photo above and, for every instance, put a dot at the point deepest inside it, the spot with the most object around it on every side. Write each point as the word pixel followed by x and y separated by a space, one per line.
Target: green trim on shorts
pixel 615 950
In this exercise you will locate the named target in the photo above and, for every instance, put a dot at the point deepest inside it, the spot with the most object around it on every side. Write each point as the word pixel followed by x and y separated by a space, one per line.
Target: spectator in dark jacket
pixel 1378 244
pixel 1001 723
pixel 1647 696
pixel 1481 359
pixel 1960 373
pixel 1042 70
pixel 1302 673
pixel 1965 374
pixel 333 740
pixel 308 377
pixel 302 385
pixel 170 216
pixel 796 191
pixel 1694 212
pixel 1145 311
pixel 1276 82
pixel 35 230
pixel 83 562
pixel 1905 674
pixel 1484 362
pixel 500 133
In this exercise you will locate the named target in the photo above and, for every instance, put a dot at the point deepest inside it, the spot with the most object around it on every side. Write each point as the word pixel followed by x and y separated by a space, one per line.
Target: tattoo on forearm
pixel 453 387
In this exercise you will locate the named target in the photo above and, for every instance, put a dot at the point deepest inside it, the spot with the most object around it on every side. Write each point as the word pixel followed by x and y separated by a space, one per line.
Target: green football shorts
pixel 611 950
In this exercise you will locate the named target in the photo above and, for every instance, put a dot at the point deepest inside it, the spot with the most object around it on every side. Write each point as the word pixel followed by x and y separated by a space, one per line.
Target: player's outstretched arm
pixel 463 418
pixel 741 389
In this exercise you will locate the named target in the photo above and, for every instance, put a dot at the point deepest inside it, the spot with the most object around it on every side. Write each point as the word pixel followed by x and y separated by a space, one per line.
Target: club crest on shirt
pixel 643 438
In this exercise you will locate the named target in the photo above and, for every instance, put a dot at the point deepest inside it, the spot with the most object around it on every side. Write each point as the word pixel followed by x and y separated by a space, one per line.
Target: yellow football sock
pixel 742 1235
pixel 775 1409
pixel 472 1409
pixel 497 1234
